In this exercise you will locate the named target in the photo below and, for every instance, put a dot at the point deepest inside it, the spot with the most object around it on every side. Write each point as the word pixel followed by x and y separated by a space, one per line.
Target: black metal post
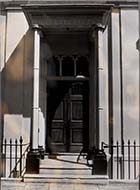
pixel 122 177
pixel 15 155
pixel 117 160
pixel 21 141
pixel 128 159
pixel 111 168
pixel 134 159
pixel 10 156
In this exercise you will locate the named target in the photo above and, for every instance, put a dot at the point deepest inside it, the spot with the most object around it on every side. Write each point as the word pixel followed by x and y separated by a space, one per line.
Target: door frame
pixel 85 104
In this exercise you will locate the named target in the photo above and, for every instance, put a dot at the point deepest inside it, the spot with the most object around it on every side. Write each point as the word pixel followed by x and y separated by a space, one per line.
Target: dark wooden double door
pixel 68 126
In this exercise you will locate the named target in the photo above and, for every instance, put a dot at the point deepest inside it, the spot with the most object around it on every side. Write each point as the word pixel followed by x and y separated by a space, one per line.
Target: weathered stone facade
pixel 18 74
pixel 66 184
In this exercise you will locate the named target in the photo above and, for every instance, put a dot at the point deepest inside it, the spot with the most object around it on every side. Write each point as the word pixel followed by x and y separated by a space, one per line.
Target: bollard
pixel 98 160
pixel 99 163
pixel 32 163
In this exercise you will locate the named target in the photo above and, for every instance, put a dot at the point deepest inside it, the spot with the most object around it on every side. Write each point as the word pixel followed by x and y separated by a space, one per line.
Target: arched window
pixel 67 66
pixel 53 66
pixel 82 66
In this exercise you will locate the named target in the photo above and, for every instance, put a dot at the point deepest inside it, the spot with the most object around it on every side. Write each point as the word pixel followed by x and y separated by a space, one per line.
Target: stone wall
pixel 12 184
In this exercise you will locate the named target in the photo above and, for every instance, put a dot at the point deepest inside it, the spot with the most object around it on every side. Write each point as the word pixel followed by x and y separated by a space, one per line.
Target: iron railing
pixel 14 157
pixel 123 159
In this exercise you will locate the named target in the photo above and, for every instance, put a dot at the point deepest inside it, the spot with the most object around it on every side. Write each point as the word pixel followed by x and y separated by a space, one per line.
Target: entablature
pixel 67 16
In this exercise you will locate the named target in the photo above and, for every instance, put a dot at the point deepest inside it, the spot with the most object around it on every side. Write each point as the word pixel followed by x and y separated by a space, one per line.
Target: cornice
pixel 18 3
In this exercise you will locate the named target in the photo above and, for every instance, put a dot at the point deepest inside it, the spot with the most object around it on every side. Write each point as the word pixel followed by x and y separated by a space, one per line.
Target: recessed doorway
pixel 67 123
pixel 67 117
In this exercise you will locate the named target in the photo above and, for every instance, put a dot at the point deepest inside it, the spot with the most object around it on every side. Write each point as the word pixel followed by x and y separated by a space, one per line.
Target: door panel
pixel 76 120
pixel 57 131
pixel 66 130
pixel 76 110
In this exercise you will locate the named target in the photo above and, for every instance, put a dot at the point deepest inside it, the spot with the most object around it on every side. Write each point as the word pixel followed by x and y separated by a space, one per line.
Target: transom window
pixel 68 66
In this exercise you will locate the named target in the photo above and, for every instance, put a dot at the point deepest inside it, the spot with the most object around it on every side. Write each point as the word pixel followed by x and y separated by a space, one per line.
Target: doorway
pixel 67 117
pixel 67 121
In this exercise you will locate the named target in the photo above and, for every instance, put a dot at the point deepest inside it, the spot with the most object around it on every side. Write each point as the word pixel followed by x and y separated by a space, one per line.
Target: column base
pixel 98 160
pixel 32 163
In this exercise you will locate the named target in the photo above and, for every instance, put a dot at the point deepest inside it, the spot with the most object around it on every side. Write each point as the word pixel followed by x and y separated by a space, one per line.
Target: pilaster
pixel 36 71
pixel 94 70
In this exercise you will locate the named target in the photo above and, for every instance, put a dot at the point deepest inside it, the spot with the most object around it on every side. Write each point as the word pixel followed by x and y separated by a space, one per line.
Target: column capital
pixel 98 27
pixel 36 27
pixel 94 31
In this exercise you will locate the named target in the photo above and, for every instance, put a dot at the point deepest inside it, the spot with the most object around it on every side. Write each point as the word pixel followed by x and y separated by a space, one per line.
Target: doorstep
pixel 82 179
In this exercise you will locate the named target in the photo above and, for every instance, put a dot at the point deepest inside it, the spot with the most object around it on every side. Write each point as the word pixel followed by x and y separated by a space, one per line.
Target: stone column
pixel 36 71
pixel 94 87
pixel 32 161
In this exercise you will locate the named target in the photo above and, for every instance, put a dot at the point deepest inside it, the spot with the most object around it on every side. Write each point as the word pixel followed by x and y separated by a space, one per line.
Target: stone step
pixel 65 158
pixel 66 172
pixel 63 162
pixel 65 179
pixel 64 165
pixel 42 182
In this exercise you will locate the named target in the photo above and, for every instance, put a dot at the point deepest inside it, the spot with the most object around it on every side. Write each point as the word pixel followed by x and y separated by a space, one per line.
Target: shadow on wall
pixel 17 79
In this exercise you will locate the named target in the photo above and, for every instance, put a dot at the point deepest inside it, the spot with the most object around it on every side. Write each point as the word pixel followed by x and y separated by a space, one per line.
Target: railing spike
pixel 10 156
pixel 117 159
pixel 129 159
pixel 21 139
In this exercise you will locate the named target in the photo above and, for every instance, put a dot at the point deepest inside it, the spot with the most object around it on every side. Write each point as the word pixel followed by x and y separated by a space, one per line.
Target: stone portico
pixel 61 22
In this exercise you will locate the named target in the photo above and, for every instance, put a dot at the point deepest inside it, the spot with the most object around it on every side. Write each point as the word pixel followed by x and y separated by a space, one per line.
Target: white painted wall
pixel 2 40
pixel 130 59
pixel 17 26
pixel 130 75
pixel 2 45
pixel 116 77
pixel 15 125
